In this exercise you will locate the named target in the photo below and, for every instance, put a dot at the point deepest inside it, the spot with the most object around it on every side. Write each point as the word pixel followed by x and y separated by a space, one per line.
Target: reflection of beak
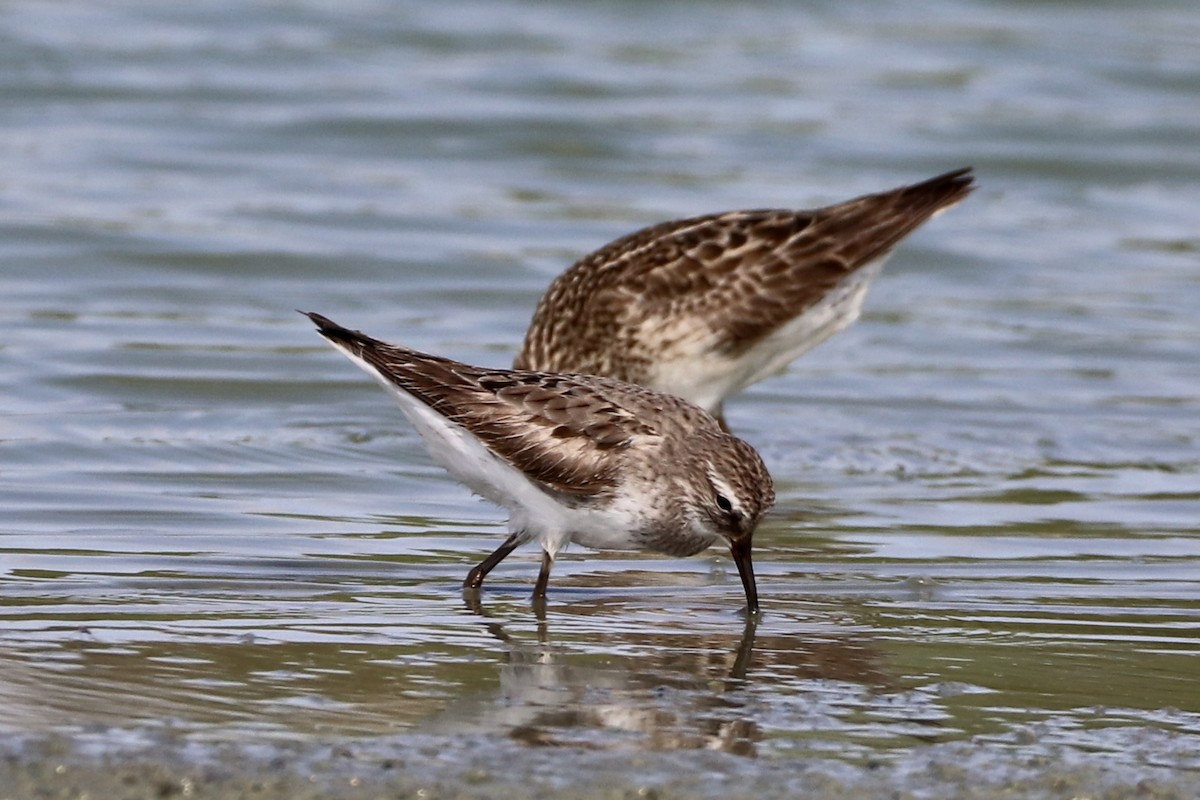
pixel 740 550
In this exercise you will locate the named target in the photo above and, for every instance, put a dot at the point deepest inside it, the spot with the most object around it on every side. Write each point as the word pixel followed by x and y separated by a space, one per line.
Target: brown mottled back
pixel 557 428
pixel 743 274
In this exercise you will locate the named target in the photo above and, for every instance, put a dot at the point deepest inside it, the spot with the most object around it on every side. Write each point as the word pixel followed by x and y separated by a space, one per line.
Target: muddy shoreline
pixel 141 765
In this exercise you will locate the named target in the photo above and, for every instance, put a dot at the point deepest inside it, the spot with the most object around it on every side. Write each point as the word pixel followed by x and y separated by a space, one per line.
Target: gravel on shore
pixel 107 764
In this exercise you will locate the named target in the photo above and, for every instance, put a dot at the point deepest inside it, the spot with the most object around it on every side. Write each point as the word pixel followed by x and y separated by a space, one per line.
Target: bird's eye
pixel 724 504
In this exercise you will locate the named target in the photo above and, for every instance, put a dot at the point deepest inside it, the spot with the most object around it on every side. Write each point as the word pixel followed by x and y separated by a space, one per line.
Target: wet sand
pixel 160 766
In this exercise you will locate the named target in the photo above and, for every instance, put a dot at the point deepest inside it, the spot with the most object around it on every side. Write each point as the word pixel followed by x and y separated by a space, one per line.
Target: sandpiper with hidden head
pixel 576 458
pixel 704 307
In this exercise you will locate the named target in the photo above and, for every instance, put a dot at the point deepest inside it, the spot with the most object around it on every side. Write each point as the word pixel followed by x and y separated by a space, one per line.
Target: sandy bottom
pixel 117 765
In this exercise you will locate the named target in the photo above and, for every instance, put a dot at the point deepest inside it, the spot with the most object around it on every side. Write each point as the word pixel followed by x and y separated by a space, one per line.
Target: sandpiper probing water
pixel 576 458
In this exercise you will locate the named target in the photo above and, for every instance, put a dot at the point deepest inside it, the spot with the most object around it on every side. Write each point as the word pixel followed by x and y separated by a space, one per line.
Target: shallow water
pixel 989 487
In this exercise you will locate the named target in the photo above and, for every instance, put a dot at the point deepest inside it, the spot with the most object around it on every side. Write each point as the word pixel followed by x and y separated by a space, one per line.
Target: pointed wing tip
pixel 941 191
pixel 324 324
pixel 961 179
pixel 335 333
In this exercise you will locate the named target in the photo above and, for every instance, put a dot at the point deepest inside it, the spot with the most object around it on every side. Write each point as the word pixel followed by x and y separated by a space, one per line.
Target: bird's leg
pixel 539 590
pixel 719 415
pixel 475 576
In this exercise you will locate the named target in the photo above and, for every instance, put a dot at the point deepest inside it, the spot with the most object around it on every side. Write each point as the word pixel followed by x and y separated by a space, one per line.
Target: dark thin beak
pixel 740 550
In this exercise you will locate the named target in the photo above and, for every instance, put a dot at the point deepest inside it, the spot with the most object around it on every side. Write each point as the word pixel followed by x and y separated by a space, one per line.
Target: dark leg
pixel 539 591
pixel 719 416
pixel 475 576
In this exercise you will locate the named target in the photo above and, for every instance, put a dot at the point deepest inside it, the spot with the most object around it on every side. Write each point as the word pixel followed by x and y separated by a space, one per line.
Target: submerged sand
pixel 116 764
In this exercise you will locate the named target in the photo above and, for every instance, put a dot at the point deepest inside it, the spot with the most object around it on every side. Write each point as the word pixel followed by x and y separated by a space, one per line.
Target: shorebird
pixel 576 458
pixel 704 307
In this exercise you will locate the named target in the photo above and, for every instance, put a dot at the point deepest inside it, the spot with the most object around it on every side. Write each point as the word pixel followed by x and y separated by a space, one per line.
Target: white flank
pixel 694 371
pixel 834 312
pixel 533 512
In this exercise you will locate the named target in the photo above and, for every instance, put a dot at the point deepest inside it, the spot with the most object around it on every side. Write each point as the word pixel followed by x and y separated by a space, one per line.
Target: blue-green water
pixel 989 487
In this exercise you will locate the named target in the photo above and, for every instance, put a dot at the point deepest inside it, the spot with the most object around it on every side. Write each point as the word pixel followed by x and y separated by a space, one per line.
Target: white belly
pixel 701 374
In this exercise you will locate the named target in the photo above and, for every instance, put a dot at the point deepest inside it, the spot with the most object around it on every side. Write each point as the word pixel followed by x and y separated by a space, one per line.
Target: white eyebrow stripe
pixel 724 488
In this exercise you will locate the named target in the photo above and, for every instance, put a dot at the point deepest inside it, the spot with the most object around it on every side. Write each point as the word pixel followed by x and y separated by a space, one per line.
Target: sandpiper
pixel 704 307
pixel 576 458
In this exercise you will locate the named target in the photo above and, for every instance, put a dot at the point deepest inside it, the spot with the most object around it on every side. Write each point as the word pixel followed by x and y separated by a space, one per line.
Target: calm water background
pixel 988 488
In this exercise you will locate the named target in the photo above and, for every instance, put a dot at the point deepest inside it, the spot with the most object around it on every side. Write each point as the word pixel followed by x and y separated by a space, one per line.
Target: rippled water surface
pixel 989 487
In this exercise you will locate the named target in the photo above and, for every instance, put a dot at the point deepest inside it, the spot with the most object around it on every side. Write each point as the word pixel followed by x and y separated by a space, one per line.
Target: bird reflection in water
pixel 654 689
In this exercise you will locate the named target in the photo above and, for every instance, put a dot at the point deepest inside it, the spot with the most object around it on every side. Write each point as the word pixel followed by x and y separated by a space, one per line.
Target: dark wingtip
pixel 961 180
pixel 323 323
pixel 938 192
pixel 338 335
pixel 330 329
